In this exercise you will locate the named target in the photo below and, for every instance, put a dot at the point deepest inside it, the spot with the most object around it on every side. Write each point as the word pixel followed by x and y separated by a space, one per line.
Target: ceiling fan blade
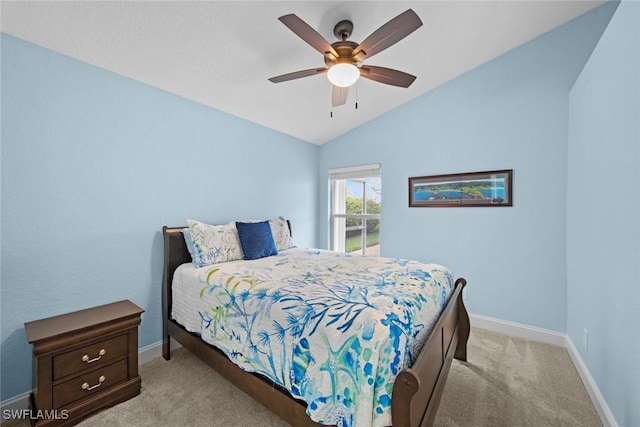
pixel 298 75
pixel 387 35
pixel 387 76
pixel 339 96
pixel 308 34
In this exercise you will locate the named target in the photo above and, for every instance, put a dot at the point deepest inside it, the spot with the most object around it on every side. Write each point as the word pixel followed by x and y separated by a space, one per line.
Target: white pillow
pixel 281 233
pixel 213 244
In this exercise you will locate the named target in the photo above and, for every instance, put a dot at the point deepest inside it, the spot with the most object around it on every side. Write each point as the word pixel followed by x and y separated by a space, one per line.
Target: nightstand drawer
pixel 89 384
pixel 97 354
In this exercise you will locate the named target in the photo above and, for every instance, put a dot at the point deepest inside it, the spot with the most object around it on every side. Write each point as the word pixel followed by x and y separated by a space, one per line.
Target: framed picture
pixel 492 188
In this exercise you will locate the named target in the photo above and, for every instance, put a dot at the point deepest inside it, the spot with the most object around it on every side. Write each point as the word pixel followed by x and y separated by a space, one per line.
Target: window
pixel 356 199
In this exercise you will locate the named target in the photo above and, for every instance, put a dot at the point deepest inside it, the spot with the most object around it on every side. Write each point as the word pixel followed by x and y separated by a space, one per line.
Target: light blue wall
pixel 511 113
pixel 603 214
pixel 94 164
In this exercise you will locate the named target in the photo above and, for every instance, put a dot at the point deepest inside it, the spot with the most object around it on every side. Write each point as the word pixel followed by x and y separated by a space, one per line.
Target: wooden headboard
pixel 175 254
pixel 175 251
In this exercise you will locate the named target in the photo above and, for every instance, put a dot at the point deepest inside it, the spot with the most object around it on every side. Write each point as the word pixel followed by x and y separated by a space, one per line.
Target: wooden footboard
pixel 416 391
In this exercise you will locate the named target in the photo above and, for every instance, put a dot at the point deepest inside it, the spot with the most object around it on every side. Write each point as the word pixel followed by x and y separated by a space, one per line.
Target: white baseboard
pixel 18 403
pixel 145 354
pixel 153 351
pixel 606 417
pixel 518 330
pixel 547 336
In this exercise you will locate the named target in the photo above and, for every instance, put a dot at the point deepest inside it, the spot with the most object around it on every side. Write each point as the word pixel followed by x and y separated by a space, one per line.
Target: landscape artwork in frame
pixel 492 188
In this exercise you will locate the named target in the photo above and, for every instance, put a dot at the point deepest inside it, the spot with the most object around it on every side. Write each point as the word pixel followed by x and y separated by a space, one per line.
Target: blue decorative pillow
pixel 256 239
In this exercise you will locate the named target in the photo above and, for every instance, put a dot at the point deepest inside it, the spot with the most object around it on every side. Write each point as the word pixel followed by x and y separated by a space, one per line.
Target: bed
pixel 417 388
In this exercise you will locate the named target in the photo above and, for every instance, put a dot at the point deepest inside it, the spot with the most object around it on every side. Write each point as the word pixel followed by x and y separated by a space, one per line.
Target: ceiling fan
pixel 344 58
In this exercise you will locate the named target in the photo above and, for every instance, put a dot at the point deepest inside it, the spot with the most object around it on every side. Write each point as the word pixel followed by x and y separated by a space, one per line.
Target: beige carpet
pixel 507 382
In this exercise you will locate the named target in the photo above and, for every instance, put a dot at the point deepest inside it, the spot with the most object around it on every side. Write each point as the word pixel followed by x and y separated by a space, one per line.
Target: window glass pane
pixel 373 195
pixel 353 235
pixel 373 237
pixel 356 205
pixel 355 194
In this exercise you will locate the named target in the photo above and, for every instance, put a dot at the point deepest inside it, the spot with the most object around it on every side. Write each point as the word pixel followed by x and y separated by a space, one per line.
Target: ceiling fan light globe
pixel 343 75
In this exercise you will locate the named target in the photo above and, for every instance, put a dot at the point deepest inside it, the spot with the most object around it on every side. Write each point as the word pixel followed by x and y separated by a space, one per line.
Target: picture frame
pixel 473 189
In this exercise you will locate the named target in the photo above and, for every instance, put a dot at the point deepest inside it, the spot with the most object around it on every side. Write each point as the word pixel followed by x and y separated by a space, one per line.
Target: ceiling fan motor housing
pixel 343 29
pixel 344 49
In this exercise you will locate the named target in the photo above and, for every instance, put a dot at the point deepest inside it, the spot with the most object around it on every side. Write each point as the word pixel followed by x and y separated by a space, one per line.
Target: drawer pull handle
pixel 85 386
pixel 101 353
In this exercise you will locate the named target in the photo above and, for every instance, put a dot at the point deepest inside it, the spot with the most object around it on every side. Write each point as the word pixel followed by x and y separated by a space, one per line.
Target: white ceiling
pixel 221 53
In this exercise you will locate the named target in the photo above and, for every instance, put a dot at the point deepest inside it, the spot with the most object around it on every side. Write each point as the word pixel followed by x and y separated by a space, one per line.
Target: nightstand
pixel 83 361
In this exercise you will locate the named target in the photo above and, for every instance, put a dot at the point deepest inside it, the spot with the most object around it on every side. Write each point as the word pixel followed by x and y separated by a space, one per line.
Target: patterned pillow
pixel 281 233
pixel 213 244
pixel 187 240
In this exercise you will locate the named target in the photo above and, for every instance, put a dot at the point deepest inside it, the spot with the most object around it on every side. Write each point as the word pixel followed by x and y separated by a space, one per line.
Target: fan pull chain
pixel 357 96
pixel 331 108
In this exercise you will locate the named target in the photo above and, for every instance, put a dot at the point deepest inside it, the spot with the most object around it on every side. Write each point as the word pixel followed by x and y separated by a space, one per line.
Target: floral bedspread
pixel 334 329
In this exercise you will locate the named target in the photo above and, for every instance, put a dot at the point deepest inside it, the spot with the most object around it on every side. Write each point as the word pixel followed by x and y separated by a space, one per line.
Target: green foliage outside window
pixel 354 206
pixel 354 243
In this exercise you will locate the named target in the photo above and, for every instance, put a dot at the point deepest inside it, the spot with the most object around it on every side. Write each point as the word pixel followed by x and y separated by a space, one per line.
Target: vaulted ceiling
pixel 221 53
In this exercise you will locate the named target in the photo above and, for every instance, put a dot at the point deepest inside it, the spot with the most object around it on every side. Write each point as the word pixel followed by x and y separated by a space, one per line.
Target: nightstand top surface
pixel 78 320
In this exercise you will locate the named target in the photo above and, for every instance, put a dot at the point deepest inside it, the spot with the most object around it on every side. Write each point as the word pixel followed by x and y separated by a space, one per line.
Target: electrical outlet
pixel 585 339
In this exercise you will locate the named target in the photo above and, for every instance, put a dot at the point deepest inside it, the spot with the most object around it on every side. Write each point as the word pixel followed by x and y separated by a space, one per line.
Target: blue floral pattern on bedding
pixel 334 329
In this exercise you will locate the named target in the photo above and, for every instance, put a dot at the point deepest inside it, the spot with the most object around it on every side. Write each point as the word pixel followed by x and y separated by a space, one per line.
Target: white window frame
pixel 337 178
